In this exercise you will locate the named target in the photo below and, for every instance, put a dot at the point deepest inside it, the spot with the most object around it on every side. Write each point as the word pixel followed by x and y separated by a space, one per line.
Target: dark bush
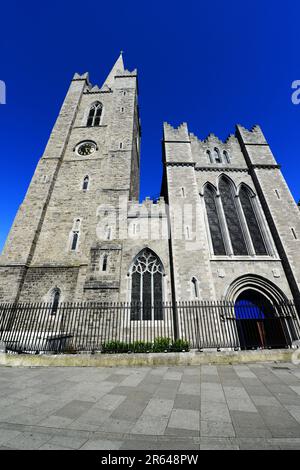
pixel 160 344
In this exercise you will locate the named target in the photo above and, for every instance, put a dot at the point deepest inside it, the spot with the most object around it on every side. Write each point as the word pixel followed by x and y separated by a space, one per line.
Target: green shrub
pixel 141 347
pixel 114 347
pixel 161 344
pixel 180 345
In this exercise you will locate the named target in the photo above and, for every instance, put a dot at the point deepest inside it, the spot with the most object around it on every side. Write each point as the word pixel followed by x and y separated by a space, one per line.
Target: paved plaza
pixel 254 406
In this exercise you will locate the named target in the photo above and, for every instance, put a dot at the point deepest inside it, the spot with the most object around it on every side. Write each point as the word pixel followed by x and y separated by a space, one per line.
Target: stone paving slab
pixel 248 406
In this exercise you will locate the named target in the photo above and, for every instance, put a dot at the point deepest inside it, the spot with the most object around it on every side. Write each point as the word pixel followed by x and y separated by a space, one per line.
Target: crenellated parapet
pixel 148 208
pixel 252 136
pixel 84 76
pixel 177 134
pixel 215 152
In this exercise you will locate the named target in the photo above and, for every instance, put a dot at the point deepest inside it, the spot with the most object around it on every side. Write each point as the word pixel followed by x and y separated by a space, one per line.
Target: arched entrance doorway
pixel 258 323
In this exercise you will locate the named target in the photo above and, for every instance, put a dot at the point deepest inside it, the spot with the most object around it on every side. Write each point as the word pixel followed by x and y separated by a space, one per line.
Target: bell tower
pixel 92 158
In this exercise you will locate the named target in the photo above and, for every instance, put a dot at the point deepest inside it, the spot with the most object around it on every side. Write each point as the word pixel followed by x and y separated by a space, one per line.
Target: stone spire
pixel 117 68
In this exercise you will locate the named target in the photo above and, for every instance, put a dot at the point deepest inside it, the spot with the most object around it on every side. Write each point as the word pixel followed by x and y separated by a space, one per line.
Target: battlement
pixel 126 73
pixel 84 76
pixel 252 136
pixel 212 139
pixel 180 134
pixel 147 208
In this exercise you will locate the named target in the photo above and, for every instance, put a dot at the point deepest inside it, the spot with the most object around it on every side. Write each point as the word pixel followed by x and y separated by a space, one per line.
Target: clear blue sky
pixel 210 63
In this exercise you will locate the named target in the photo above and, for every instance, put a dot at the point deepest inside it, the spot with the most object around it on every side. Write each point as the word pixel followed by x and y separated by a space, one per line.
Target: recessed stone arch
pixel 256 283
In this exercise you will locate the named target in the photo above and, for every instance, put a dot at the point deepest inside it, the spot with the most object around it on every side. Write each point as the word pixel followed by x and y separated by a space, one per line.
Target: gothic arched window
pixel 195 288
pixel 85 184
pixel 74 241
pixel 75 234
pixel 213 220
pixel 232 217
pixel 208 153
pixel 146 287
pixel 226 156
pixel 104 262
pixel 252 223
pixel 217 156
pixel 94 116
pixel 55 301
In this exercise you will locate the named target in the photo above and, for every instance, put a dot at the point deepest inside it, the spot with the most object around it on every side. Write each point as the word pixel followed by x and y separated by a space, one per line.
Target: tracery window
pixel 146 287
pixel 213 221
pixel 252 223
pixel 232 218
pixel 234 223
pixel 94 116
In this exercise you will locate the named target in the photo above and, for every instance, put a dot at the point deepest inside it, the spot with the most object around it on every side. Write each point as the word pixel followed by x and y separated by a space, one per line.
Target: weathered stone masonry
pixel 38 255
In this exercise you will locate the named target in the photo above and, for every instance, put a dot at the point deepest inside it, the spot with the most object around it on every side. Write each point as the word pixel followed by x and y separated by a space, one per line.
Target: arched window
pixel 108 233
pixel 55 301
pixel 226 156
pixel 217 156
pixel 104 262
pixel 77 224
pixel 74 241
pixel 234 222
pixel 94 116
pixel 213 220
pixel 195 288
pixel 85 184
pixel 208 153
pixel 146 286
pixel 75 234
pixel 252 223
pixel 232 217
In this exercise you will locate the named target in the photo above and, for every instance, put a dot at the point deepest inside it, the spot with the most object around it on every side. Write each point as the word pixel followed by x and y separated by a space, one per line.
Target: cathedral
pixel 225 226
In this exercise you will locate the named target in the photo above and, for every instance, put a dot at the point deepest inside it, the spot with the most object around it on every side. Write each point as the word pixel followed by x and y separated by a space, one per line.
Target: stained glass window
pixel 94 116
pixel 253 226
pixel 146 287
pixel 213 221
pixel 232 218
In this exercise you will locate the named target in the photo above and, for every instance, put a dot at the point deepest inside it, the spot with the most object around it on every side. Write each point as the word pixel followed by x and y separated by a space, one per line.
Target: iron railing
pixel 91 326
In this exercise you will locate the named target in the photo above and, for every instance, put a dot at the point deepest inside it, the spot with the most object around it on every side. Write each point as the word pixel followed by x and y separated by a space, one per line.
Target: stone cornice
pixel 180 163
pixel 43 266
pixel 107 246
pixel 97 92
pixel 89 127
pixel 95 285
pixel 265 166
pixel 222 169
pixel 177 141
pixel 256 143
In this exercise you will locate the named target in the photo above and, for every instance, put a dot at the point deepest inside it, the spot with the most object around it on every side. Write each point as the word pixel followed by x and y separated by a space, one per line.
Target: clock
pixel 86 148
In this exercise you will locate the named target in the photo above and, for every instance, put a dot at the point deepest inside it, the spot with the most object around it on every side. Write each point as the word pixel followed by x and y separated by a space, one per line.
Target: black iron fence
pixel 115 327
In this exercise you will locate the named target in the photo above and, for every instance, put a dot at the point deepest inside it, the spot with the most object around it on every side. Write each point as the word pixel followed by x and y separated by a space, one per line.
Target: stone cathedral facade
pixel 225 227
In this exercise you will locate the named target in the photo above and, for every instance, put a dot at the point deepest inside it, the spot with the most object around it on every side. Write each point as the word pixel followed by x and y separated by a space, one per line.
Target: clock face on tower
pixel 86 148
